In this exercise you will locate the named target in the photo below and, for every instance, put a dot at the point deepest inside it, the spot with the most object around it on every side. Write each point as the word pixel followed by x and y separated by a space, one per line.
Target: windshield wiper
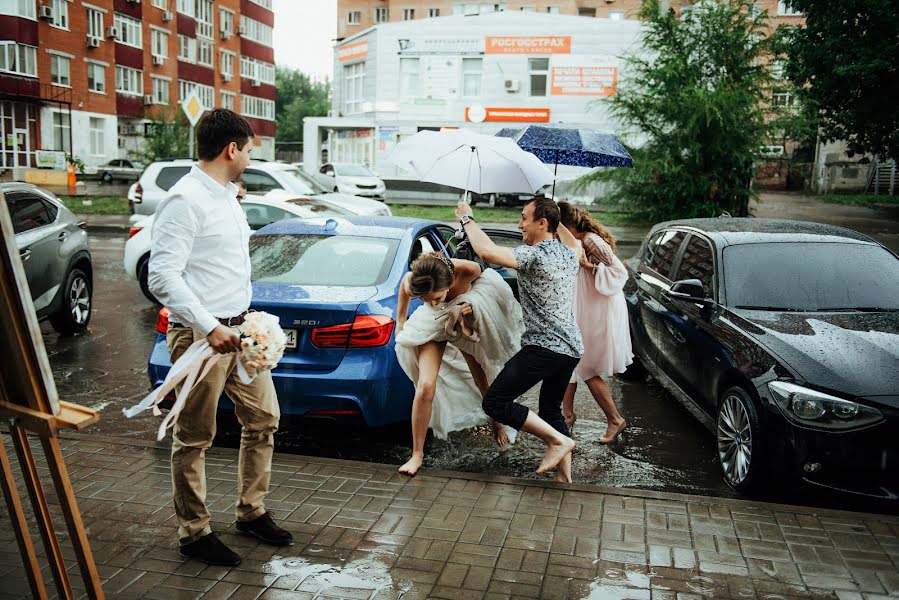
pixel 859 309
pixel 773 308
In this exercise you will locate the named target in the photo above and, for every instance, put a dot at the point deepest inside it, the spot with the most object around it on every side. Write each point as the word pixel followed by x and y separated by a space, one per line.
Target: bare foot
pixel 555 452
pixel 412 465
pixel 563 470
pixel 612 432
pixel 499 434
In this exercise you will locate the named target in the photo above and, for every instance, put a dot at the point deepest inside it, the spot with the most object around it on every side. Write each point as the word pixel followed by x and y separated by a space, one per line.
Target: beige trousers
pixel 256 407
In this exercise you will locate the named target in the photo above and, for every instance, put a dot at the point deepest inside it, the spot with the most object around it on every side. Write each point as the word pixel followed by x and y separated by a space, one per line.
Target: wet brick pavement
pixel 363 531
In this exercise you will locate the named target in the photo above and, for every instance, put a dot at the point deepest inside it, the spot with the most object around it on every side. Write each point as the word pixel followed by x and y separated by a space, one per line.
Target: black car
pixel 783 338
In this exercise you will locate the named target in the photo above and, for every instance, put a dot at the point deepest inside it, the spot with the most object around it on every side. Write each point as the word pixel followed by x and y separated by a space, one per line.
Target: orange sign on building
pixel 353 51
pixel 525 115
pixel 584 81
pixel 528 44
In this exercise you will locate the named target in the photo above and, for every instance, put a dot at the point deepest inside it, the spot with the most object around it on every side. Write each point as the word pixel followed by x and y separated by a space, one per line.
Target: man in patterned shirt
pixel 551 345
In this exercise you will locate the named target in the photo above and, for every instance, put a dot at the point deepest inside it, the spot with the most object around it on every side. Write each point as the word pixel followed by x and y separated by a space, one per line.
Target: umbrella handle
pixel 466 196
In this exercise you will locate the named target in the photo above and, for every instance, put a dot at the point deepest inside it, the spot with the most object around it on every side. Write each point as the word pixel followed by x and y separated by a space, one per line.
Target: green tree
pixel 298 96
pixel 696 95
pixel 845 62
pixel 166 135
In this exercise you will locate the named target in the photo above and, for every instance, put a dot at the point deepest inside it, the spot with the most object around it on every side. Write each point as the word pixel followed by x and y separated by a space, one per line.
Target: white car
pixel 260 177
pixel 260 211
pixel 350 178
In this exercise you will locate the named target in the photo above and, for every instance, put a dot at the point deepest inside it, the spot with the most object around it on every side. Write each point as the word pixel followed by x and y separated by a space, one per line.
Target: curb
pixel 108 229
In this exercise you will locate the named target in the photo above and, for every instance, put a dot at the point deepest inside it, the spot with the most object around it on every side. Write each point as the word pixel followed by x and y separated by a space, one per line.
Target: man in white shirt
pixel 200 270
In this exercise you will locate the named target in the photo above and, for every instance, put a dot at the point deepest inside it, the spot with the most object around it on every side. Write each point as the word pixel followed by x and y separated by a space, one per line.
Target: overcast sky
pixel 304 30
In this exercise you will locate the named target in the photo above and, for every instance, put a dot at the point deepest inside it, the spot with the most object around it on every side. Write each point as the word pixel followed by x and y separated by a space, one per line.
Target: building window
pixel 433 12
pixel 227 63
pixel 538 68
pixel 782 100
pixel 382 14
pixel 263 72
pixel 586 12
pixel 206 93
pixel 94 24
pixel 527 9
pixel 353 85
pixel 263 3
pixel 228 100
pixel 785 9
pixel 187 49
pixel 129 81
pixel 354 17
pixel 97 136
pixel 778 69
pixel 60 70
pixel 186 7
pixel 616 15
pixel 204 53
pixel 160 90
pixel 62 128
pixel 256 31
pixel 226 22
pixel 96 78
pixel 60 9
pixel 553 10
pixel 19 8
pixel 259 108
pixel 204 17
pixel 410 78
pixel 159 43
pixel 128 31
pixel 163 4
pixel 408 14
pixel 472 70
pixel 18 58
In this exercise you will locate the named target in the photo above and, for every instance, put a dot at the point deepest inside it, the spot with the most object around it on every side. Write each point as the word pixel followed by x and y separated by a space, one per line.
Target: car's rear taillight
pixel 82 225
pixel 162 321
pixel 366 331
pixel 138 193
pixel 134 230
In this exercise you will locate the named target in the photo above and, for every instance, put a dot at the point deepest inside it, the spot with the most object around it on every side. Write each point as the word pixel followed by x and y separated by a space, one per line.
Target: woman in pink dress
pixel 602 317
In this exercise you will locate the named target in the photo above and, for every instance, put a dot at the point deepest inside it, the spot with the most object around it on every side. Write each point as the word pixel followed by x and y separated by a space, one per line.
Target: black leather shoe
pixel 210 550
pixel 264 528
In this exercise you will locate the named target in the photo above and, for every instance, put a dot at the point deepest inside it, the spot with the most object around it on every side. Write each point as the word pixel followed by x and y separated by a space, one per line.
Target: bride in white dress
pixel 451 378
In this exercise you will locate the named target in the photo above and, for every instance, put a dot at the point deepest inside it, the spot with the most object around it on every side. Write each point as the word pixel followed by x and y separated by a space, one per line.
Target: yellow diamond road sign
pixel 193 107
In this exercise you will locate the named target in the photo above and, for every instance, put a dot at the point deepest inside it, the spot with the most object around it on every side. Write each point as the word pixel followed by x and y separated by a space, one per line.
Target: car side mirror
pixel 690 290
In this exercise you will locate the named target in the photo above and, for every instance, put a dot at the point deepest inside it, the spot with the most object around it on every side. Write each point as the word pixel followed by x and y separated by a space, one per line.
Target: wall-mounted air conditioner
pixel 241 30
pixel 112 32
pixel 167 16
pixel 46 12
pixel 148 100
pixel 158 60
pixel 226 77
pixel 512 85
pixel 226 35
pixel 93 42
pixel 256 83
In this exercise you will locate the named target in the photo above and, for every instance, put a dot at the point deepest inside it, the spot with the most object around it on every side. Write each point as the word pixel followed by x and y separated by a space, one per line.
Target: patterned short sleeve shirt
pixel 547 275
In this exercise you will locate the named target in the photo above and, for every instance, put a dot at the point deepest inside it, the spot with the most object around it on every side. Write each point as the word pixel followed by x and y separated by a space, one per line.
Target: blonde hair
pixel 582 220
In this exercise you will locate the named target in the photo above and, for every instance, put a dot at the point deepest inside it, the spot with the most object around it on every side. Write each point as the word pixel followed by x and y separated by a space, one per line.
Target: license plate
pixel 291 338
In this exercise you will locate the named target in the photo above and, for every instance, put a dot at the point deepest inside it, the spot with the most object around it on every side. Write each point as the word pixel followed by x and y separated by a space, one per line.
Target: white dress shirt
pixel 200 254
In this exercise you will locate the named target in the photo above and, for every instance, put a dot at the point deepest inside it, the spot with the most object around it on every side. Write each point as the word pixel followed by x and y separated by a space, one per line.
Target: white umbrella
pixel 482 164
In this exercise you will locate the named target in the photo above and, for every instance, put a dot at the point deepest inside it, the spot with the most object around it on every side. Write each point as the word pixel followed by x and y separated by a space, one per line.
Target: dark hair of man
pixel 217 129
pixel 430 274
pixel 544 208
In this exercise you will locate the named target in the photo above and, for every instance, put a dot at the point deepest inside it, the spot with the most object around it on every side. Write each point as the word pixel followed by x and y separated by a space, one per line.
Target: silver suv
pixel 53 247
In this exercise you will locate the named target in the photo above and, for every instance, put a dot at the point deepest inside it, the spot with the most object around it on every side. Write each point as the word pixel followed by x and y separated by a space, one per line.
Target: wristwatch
pixel 465 220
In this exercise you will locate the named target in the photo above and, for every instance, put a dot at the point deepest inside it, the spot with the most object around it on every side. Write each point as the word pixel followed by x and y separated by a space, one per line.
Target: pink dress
pixel 602 313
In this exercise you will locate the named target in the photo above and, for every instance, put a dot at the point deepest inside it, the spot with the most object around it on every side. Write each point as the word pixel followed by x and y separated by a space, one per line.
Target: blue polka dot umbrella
pixel 560 144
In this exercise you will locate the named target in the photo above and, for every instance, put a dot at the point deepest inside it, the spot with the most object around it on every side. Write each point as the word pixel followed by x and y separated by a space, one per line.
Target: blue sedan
pixel 334 283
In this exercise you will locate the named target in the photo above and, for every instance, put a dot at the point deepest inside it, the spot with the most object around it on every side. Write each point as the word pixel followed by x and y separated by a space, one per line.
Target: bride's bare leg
pixel 480 380
pixel 430 356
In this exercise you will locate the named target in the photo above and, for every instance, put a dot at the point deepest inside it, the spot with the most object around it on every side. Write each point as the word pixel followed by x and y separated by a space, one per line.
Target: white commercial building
pixel 483 72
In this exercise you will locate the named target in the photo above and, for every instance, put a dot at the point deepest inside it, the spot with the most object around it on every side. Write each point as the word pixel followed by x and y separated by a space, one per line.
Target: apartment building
pixel 354 16
pixel 84 77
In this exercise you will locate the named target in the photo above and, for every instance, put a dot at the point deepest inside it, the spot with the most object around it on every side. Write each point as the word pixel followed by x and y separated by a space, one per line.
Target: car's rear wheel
pixel 75 313
pixel 491 200
pixel 143 274
pixel 107 177
pixel 740 442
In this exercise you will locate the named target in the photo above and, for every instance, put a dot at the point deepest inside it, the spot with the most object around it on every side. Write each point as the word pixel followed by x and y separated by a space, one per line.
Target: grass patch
pixel 859 199
pixel 494 215
pixel 99 205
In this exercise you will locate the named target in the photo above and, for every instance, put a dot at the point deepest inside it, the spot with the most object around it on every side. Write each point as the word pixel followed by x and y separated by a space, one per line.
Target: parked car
pixel 260 177
pixel 334 285
pixel 260 211
pixel 53 247
pixel 783 338
pixel 120 169
pixel 351 179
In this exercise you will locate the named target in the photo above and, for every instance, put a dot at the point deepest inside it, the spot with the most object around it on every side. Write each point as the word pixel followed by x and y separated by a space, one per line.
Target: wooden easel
pixel 29 403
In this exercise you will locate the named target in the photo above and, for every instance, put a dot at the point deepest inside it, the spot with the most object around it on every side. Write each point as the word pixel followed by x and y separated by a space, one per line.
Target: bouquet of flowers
pixel 262 343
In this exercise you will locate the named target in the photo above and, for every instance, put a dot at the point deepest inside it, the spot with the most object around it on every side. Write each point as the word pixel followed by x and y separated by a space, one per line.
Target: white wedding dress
pixel 498 322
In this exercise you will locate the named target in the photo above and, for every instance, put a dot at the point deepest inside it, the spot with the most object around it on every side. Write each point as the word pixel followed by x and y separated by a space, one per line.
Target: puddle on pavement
pixel 357 578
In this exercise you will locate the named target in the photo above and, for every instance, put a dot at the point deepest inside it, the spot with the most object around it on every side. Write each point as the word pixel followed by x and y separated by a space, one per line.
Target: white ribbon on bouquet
pixel 191 368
